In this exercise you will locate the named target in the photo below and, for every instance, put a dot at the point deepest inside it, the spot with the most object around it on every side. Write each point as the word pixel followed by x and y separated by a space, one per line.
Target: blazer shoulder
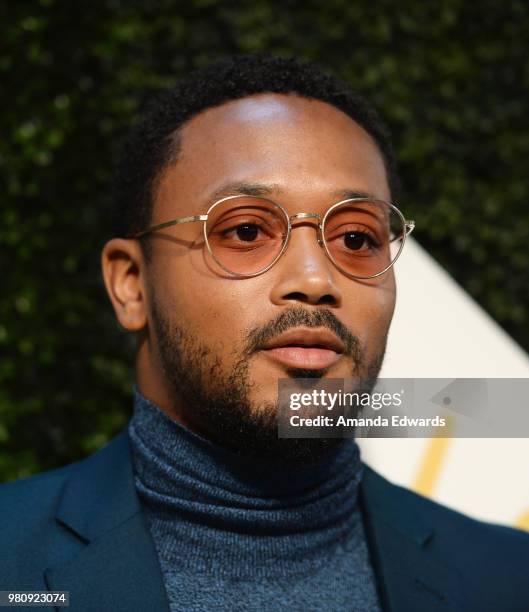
pixel 29 503
pixel 45 485
pixel 33 511
pixel 30 487
pixel 488 555
pixel 28 526
pixel 448 521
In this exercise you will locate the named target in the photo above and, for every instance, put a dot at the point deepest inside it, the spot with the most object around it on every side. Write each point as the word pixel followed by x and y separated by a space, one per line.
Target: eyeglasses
pixel 246 235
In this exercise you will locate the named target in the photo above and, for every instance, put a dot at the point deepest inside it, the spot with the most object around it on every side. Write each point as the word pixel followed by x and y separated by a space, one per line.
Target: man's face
pixel 206 329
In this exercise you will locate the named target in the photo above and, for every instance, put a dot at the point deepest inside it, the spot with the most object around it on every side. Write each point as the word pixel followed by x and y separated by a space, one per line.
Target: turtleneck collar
pixel 203 489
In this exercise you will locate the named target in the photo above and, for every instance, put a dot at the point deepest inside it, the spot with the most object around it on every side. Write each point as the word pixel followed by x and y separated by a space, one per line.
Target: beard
pixel 217 403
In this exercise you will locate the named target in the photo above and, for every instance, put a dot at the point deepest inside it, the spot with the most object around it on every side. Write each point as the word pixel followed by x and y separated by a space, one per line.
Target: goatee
pixel 218 405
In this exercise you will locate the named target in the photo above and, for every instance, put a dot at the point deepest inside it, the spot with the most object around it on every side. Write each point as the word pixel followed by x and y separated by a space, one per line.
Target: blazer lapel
pixel 408 574
pixel 115 566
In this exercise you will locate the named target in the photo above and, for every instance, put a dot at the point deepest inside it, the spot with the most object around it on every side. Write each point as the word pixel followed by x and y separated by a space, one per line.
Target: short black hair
pixel 153 143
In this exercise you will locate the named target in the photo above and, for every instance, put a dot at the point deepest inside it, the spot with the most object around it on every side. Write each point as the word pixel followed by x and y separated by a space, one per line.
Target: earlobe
pixel 122 264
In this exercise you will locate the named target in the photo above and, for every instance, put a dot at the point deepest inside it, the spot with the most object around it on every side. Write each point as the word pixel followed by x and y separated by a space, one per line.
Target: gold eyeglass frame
pixel 407 224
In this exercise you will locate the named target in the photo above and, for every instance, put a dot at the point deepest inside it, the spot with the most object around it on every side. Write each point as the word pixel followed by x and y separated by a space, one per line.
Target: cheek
pixel 371 313
pixel 208 307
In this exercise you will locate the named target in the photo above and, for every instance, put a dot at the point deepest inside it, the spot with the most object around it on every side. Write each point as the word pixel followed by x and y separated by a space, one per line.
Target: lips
pixel 305 348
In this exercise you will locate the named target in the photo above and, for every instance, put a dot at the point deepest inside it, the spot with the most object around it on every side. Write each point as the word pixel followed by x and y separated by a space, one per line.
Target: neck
pixel 152 384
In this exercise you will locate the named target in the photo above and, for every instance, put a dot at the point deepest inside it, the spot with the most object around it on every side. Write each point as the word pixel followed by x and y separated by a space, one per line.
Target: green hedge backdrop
pixel 450 78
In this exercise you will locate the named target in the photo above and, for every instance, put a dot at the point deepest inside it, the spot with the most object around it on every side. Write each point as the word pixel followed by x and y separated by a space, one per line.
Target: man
pixel 252 203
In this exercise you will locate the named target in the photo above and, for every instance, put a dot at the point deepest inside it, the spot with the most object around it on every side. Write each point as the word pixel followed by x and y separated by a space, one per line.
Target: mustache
pixel 297 317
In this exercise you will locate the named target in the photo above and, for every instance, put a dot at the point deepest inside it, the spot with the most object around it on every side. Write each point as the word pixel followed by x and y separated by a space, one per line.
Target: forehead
pixel 304 148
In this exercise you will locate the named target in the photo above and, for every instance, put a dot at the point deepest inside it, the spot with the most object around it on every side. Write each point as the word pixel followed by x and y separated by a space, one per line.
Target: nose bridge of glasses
pixel 305 215
pixel 308 215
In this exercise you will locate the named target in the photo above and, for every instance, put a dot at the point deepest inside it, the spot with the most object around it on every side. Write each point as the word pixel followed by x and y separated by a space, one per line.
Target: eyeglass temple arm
pixel 169 224
pixel 409 225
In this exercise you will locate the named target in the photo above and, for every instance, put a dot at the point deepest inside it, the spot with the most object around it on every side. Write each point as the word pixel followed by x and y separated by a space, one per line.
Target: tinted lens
pixel 246 234
pixel 363 237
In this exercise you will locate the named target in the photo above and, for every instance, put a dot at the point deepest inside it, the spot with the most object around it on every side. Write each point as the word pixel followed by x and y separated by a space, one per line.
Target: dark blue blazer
pixel 81 529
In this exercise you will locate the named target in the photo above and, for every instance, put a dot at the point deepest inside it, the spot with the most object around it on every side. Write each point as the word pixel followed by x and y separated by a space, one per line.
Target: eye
pixel 247 232
pixel 356 241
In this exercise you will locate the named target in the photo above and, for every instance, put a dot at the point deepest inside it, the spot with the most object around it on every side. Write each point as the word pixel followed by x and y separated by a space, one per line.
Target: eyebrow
pixel 239 188
pixel 350 194
pixel 261 189
pixel 251 189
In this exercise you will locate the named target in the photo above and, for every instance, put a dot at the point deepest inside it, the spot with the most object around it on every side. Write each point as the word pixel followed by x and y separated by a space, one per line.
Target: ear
pixel 122 265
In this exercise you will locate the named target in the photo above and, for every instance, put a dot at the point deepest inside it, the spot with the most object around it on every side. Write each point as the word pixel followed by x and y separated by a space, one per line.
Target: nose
pixel 305 273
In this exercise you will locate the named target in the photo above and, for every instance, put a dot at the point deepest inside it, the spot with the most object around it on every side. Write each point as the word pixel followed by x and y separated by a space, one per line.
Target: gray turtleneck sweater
pixel 234 534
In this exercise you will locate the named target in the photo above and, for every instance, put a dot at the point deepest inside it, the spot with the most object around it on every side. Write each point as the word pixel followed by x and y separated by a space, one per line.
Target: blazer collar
pixel 115 565
pixel 401 542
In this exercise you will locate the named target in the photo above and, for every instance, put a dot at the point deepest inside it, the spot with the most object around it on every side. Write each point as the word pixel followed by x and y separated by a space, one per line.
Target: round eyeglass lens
pixel 245 235
pixel 363 237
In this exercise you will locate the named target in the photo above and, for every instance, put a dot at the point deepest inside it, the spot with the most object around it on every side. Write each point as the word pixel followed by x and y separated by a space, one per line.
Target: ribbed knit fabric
pixel 238 534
